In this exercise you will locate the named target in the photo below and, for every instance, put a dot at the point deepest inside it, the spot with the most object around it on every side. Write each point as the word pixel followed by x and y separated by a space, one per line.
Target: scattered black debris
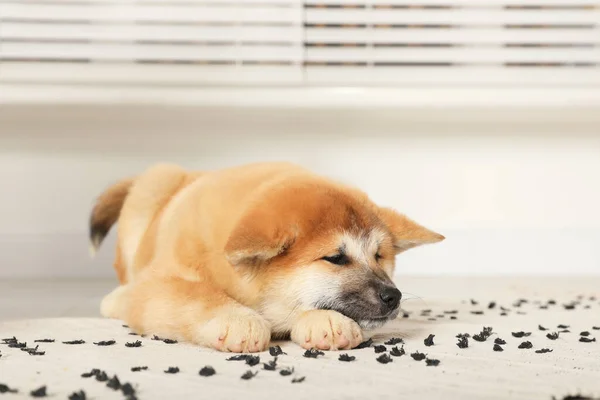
pixel 397 352
pixel 365 344
pixel 5 389
pixel 379 348
pixel 452 317
pixel 394 341
pixel 543 307
pixel 462 335
pixel 271 365
pixel 526 345
pixel 114 383
pixel 137 343
pixel 543 351
pixel 9 340
pixel 249 375
pixel 39 392
pixel 492 305
pixel 483 335
pixel 552 302
pixel 169 341
pixel 541 328
pixel 127 389
pixel 93 372
pixel 345 357
pixel 207 371
pixel 429 340
pixel 33 351
pixel 125 326
pixel 105 343
pixel 275 351
pixel 298 380
pixel 520 302
pixel 172 370
pixel 44 341
pixel 313 353
pixel 561 326
pixel 477 312
pixel 14 343
pixel 570 306
pixel 155 337
pixel 586 340
pixel 405 315
pixel 252 360
pixel 499 341
pixel 418 356
pixel 565 331
pixel 239 357
pixel 463 343
pixel 521 334
pixel 78 395
pixel 384 359
pixel 286 371
pixel 451 312
pixel 596 328
pixel 585 333
pixel 552 336
pixel 101 376
pixel 497 347
pixel 576 397
pixel 504 309
pixel 138 369
pixel 427 311
pixel 503 314
pixel 473 302
pixel 432 362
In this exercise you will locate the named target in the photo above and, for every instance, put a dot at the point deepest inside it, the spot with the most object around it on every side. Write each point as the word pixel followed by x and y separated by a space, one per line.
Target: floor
pixel 68 310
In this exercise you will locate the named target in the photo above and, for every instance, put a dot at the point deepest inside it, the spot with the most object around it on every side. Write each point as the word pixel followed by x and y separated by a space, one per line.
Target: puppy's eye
pixel 338 259
pixel 378 256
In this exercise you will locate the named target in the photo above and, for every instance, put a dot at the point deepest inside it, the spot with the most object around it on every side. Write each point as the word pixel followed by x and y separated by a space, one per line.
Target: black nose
pixel 390 296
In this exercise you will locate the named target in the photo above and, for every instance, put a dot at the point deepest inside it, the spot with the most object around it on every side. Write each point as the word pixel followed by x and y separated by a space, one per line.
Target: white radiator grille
pixel 294 42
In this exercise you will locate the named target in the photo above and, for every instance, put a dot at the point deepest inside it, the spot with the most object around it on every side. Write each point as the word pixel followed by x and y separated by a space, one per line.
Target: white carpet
pixel 476 372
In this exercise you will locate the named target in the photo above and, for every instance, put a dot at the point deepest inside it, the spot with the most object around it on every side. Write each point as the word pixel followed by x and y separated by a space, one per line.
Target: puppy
pixel 231 258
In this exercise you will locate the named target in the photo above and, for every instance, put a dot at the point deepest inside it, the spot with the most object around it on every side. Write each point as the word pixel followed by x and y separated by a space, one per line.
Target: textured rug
pixel 511 348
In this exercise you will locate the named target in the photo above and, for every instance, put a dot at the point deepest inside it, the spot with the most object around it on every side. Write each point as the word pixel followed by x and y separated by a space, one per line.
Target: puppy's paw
pixel 114 303
pixel 237 330
pixel 326 330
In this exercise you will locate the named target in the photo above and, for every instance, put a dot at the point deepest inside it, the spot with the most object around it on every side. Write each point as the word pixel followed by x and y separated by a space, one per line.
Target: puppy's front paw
pixel 326 330
pixel 237 330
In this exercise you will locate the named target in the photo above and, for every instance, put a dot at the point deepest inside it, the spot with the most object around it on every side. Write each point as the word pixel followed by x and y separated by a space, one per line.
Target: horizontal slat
pixel 145 32
pixel 474 36
pixel 454 55
pixel 454 17
pixel 127 12
pixel 117 52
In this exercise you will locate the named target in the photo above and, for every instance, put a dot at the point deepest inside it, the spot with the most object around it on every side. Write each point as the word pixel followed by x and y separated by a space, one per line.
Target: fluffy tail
pixel 106 212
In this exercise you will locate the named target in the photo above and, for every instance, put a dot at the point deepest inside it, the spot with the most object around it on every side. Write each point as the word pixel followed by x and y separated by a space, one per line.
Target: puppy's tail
pixel 106 212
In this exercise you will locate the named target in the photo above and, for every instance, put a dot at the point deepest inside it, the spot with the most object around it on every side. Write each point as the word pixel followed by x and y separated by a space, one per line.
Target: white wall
pixel 515 192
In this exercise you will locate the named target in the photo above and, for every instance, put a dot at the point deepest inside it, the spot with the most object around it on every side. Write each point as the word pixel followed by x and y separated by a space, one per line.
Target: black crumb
pixel 565 331
pixel 477 312
pixel 172 370
pixel 427 311
pixel 271 365
pixel 451 312
pixel 503 314
pixel 9 340
pixel 105 343
pixel 155 337
pixel 384 359
pixel 552 302
pixel 114 383
pixel 44 341
pixel 379 348
pixel 394 341
pixel 17 345
pixel 462 335
pixel 541 328
pixel 497 347
pixel 473 302
pixel 275 351
pixel 101 376
pixel 596 328
pixel 586 340
pixel 452 317
pixel 432 362
pixel 298 380
pixel 252 360
pixel 93 372
pixel 39 392
pixel 313 353
pixel 207 371
pixel 169 341
pixel 138 369
pixel 521 334
pixel 429 340
pixel 543 307
pixel 463 343
pixel 249 375
pixel 569 306
pixel 576 397
pixel 137 343
pixel 240 357
pixel 397 352
pixel 552 336
pixel 127 389
pixel 492 305
pixel 542 351
pixel 504 309
pixel 286 371
pixel 526 345
pixel 133 334
pixel 405 315
pixel 346 357
pixel 5 389
pixel 499 341
pixel 561 326
pixel 585 333
pixel 365 344
pixel 418 356
pixel 483 335
pixel 78 395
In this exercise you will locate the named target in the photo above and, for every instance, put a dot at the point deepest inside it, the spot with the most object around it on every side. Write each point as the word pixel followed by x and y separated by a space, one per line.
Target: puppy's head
pixel 316 245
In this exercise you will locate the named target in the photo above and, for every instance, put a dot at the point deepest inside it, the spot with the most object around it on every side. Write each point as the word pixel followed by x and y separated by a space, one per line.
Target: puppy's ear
pixel 407 233
pixel 259 237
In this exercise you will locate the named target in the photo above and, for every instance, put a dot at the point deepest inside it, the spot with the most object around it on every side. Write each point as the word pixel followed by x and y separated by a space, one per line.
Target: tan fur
pixel 229 258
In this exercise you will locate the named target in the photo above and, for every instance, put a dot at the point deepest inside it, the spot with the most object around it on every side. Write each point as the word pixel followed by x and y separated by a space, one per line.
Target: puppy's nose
pixel 390 296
